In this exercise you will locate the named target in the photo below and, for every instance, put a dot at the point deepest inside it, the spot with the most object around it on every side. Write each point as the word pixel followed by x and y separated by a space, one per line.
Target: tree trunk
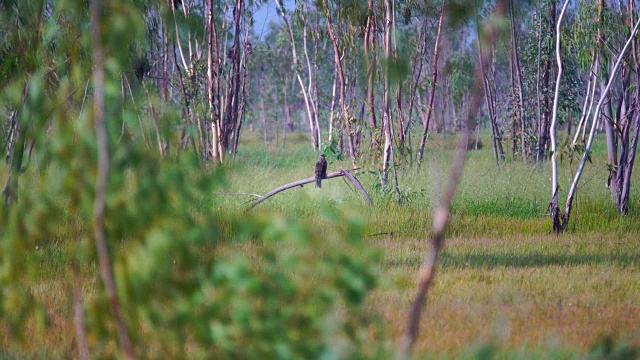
pixel 555 212
pixel 432 91
pixel 386 117
pixel 518 82
pixel 490 103
pixel 233 96
pixel 369 53
pixel 343 104
pixel 210 84
pixel 310 86
pixel 543 131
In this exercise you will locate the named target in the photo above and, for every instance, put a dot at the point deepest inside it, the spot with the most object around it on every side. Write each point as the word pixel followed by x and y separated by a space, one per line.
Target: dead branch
pixel 302 182
pixel 358 186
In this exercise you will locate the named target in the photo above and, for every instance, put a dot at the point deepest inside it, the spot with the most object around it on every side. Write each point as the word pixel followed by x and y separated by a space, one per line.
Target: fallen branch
pixel 302 182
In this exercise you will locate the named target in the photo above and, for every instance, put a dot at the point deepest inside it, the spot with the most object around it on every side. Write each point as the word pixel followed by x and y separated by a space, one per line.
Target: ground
pixel 505 285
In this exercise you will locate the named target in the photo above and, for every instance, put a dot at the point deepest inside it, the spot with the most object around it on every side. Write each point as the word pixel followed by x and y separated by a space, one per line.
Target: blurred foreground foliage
pixel 186 289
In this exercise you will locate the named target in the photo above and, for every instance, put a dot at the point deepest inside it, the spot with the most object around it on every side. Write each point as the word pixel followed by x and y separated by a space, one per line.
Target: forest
pixel 342 179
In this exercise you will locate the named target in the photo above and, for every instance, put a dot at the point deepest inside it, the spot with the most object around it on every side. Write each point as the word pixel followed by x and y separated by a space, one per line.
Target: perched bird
pixel 321 170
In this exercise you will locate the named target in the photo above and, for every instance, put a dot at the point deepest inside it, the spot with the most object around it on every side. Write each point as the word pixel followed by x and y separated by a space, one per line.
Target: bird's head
pixel 323 155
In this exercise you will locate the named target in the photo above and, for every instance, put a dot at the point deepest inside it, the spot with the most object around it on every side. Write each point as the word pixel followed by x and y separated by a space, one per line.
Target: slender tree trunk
pixel 489 100
pixel 538 62
pixel 386 117
pixel 315 143
pixel 415 79
pixel 264 121
pixel 588 101
pixel 15 154
pixel 432 91
pixel 518 83
pixel 233 96
pixel 333 101
pixel 388 155
pixel 343 105
pixel 243 93
pixel 553 206
pixel 210 85
pixel 543 131
pixel 623 206
pixel 310 84
pixel 369 53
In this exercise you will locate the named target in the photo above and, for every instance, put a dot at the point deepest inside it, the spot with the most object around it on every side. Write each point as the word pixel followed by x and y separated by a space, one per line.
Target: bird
pixel 321 170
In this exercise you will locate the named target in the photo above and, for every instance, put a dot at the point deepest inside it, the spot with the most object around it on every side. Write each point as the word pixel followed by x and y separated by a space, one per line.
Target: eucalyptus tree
pixel 560 221
pixel 620 111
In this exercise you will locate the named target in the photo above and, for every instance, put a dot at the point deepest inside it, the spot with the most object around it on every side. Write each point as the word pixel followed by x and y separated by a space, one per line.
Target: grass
pixel 505 287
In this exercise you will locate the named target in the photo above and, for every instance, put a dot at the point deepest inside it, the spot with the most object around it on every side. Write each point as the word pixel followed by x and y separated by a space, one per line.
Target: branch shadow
pixel 539 259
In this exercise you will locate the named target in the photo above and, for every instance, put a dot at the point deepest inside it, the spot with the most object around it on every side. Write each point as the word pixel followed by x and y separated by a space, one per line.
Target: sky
pixel 267 13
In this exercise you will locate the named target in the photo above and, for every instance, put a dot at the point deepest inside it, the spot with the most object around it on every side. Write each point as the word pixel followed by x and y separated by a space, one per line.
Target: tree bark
pixel 543 131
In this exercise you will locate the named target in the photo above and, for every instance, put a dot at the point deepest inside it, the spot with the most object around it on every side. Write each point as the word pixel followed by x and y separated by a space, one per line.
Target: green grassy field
pixel 505 286
pixel 505 283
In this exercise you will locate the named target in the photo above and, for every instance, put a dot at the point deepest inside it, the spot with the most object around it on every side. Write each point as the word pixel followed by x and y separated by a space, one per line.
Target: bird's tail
pixel 318 183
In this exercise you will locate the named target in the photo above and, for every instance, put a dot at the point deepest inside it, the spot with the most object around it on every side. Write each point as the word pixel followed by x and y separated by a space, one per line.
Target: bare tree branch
pixel 336 174
pixel 358 186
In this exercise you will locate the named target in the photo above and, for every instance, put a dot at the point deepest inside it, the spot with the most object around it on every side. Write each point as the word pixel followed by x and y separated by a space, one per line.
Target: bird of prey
pixel 321 170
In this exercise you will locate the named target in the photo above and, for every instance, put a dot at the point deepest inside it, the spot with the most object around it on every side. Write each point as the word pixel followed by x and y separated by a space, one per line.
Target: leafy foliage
pixel 184 290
